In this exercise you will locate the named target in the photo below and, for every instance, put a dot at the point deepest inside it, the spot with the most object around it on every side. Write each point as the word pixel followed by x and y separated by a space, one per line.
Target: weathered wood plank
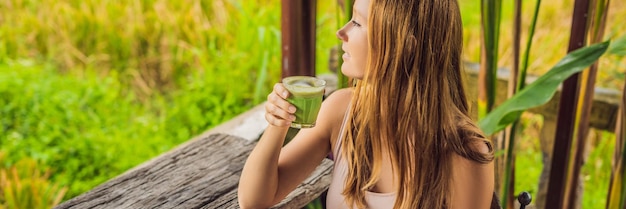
pixel 202 174
pixel 313 186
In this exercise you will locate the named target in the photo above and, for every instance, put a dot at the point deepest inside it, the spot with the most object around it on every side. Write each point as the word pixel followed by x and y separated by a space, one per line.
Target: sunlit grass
pixel 152 44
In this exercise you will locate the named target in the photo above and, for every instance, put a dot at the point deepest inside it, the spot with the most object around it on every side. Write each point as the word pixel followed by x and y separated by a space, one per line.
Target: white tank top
pixel 334 198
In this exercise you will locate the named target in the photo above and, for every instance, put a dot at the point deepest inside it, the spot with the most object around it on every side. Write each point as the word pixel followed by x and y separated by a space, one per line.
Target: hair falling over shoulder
pixel 411 103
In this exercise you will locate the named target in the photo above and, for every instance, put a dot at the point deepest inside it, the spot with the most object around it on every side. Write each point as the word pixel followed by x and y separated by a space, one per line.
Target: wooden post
pixel 298 37
pixel 558 183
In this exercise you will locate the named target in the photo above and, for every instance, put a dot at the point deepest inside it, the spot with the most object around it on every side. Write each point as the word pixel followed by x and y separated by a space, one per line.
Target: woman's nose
pixel 341 33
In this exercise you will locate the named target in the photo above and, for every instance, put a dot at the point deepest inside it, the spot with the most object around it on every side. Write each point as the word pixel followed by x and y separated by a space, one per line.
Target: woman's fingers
pixel 280 90
pixel 281 102
pixel 279 97
pixel 277 116
pixel 279 111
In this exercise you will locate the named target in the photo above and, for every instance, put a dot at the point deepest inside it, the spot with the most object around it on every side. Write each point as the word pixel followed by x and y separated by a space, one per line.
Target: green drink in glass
pixel 306 95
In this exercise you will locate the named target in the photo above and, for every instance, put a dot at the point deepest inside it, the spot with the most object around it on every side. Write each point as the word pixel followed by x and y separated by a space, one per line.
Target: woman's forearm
pixel 259 178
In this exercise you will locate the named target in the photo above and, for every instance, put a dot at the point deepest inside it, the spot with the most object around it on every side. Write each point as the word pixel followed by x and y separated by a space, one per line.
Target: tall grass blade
pixel 23 185
pixel 617 186
pixel 540 91
pixel 259 90
pixel 531 33
pixel 490 14
pixel 509 133
pixel 517 83
pixel 490 22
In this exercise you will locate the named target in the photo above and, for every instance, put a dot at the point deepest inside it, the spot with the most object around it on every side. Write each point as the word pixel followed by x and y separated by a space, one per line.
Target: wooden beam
pixel 201 174
pixel 298 37
pixel 558 183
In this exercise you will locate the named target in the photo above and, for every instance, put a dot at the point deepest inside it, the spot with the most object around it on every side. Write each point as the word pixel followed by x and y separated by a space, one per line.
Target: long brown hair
pixel 411 102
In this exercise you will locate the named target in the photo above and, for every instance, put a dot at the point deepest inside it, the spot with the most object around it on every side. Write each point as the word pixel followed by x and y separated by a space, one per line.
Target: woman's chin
pixel 351 72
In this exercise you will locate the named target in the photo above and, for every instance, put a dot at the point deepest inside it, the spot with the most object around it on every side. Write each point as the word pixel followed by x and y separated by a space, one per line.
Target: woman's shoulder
pixel 333 110
pixel 342 93
pixel 472 181
pixel 478 147
pixel 475 153
pixel 338 101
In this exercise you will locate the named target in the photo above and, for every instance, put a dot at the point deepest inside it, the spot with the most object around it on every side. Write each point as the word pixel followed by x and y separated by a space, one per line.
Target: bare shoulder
pixel 469 166
pixel 333 111
pixel 472 181
pixel 340 97
pixel 337 103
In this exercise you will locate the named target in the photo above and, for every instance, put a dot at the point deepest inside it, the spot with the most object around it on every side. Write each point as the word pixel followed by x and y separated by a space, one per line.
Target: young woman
pixel 402 137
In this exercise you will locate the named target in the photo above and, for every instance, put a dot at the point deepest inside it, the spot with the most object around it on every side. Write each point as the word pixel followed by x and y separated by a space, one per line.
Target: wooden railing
pixel 201 173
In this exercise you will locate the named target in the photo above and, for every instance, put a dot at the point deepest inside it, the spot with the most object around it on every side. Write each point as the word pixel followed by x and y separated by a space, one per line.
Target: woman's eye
pixel 355 23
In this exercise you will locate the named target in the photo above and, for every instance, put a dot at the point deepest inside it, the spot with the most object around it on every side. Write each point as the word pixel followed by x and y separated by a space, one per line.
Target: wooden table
pixel 201 174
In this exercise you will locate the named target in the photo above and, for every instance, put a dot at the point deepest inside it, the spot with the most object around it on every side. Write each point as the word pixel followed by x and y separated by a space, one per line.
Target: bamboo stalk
pixel 557 186
pixel 587 81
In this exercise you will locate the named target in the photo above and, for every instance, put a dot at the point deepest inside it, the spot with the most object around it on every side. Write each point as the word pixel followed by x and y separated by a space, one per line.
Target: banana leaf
pixel 618 47
pixel 540 91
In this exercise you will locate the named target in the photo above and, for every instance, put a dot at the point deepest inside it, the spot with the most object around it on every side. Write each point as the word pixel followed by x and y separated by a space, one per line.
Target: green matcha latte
pixel 306 95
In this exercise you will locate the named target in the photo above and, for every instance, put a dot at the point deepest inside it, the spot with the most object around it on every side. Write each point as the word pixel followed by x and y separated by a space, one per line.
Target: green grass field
pixel 89 89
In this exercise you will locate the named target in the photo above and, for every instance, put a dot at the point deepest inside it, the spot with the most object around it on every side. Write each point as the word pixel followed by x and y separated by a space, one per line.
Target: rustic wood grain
pixel 202 174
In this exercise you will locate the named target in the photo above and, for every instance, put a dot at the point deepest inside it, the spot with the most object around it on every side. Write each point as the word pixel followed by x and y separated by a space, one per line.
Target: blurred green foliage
pixel 87 131
pixel 28 186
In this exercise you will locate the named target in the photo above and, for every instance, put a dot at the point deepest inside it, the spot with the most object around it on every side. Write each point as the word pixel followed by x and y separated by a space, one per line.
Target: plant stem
pixel 521 82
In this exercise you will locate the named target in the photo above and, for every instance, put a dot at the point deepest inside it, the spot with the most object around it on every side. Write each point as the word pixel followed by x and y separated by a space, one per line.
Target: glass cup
pixel 306 94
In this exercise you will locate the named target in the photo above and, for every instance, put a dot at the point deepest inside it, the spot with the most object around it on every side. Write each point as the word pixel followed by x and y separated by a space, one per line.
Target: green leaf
pixel 540 91
pixel 618 47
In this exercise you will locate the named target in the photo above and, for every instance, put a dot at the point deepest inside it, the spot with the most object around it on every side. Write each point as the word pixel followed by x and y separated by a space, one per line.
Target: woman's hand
pixel 278 111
